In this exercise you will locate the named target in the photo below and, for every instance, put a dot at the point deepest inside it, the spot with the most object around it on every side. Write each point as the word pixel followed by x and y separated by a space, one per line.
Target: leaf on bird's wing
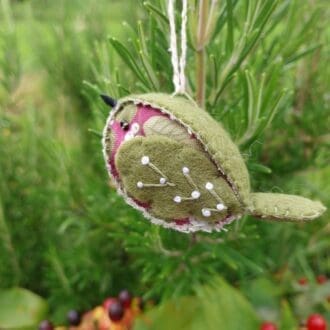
pixel 158 125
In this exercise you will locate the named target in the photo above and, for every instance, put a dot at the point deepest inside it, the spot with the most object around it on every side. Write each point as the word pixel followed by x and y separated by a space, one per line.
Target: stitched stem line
pixel 191 181
pixel 156 169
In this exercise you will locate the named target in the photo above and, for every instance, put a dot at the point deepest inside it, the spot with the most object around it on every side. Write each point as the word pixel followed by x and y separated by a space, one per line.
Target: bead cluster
pixel 207 212
pixel 163 180
pixel 195 194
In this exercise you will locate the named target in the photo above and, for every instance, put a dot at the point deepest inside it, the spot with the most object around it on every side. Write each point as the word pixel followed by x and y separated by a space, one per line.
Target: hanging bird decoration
pixel 172 161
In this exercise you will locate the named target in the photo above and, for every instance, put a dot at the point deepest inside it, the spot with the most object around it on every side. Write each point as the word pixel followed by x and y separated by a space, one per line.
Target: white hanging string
pixel 179 78
pixel 183 59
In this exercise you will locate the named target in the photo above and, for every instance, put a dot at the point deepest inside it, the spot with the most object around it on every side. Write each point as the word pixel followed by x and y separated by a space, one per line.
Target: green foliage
pixel 216 306
pixel 21 309
pixel 288 320
pixel 67 236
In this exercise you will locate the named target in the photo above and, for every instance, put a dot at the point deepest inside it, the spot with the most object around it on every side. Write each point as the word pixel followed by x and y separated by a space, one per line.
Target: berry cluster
pixel 116 313
pixel 314 322
pixel 320 279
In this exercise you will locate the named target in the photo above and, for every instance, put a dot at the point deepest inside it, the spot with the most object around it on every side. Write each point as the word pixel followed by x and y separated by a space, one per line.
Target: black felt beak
pixel 108 100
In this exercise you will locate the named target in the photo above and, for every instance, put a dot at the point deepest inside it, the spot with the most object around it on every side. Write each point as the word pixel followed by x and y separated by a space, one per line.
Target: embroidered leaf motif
pixel 158 125
pixel 143 163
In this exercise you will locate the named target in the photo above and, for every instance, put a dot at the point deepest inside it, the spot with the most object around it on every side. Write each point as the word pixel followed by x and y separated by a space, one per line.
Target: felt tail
pixel 284 207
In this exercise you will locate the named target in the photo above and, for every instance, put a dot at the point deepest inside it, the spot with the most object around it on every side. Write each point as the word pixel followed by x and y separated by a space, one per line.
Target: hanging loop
pixel 179 65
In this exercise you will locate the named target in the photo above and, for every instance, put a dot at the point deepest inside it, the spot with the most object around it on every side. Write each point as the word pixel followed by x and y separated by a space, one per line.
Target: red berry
pixel 116 311
pixel 46 325
pixel 321 279
pixel 316 322
pixel 268 326
pixel 125 298
pixel 303 281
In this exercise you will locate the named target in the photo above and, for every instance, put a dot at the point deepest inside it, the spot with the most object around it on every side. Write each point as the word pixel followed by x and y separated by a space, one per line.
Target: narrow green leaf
pixel 288 320
pixel 301 54
pixel 156 11
pixel 235 255
pixel 272 113
pixel 265 121
pixel 230 29
pixel 127 57
pixel 251 104
pixel 96 133
pixel 143 53
pixel 222 18
pixel 92 87
pixel 256 14
pixel 268 7
pixel 259 99
pixel 259 168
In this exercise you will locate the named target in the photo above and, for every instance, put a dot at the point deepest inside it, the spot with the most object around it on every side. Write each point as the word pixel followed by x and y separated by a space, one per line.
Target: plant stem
pixel 200 52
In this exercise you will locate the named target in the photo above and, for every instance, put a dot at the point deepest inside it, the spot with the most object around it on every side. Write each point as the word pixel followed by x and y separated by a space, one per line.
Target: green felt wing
pixel 284 207
pixel 218 142
pixel 166 159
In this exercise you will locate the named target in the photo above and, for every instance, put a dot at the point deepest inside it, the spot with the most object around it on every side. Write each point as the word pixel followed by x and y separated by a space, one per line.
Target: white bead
pixel 195 194
pixel 129 136
pixel 185 170
pixel 162 180
pixel 135 128
pixel 145 160
pixel 206 212
pixel 220 207
pixel 139 184
pixel 177 199
pixel 209 186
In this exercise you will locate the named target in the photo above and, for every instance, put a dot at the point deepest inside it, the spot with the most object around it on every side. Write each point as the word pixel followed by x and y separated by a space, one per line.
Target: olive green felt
pixel 109 139
pixel 218 142
pixel 284 207
pixel 127 113
pixel 170 147
pixel 170 157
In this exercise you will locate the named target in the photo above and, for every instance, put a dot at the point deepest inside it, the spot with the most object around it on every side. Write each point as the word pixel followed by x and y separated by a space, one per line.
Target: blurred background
pixel 66 235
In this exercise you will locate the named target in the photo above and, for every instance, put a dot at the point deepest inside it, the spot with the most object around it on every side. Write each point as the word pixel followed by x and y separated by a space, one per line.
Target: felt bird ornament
pixel 175 163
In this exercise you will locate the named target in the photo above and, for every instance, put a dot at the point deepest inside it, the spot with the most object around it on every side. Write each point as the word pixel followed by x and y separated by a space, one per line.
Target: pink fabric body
pixel 143 113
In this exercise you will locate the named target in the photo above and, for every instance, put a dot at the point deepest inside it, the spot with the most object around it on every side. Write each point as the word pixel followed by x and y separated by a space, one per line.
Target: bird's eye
pixel 124 125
